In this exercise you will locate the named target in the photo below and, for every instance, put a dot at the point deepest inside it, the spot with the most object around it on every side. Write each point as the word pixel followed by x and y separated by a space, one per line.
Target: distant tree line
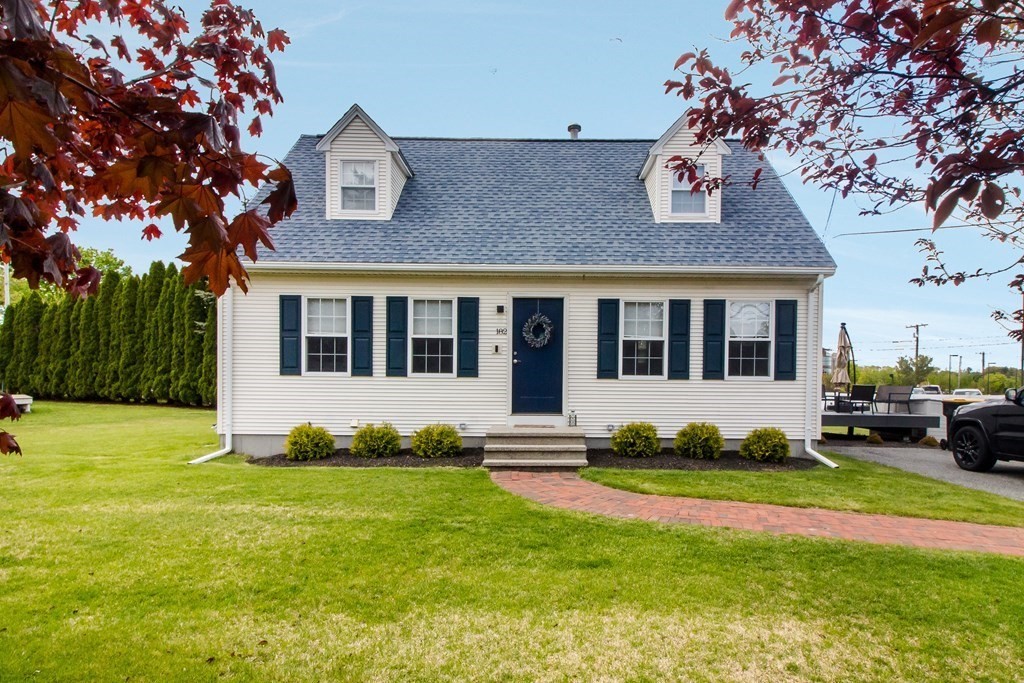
pixel 914 372
pixel 142 339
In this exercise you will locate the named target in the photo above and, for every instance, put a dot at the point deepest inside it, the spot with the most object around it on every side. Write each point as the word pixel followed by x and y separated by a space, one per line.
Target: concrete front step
pixel 562 447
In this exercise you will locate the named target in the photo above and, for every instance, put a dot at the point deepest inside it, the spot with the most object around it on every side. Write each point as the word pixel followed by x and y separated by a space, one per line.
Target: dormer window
pixel 684 200
pixel 359 186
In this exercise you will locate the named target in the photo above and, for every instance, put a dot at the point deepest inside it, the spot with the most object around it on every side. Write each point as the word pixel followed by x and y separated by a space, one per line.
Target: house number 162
pixel 501 330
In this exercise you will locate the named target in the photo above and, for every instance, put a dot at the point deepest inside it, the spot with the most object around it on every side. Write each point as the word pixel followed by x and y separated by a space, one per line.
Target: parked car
pixel 967 392
pixel 933 389
pixel 980 434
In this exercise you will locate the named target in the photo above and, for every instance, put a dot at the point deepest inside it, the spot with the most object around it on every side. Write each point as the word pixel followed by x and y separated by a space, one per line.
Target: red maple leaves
pixel 8 409
pixel 82 136
pixel 902 103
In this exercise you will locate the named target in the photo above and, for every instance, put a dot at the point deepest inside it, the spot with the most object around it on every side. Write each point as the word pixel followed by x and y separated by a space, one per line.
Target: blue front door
pixel 538 338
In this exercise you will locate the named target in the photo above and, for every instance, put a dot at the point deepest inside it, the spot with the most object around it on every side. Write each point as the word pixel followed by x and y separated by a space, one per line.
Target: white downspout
pixel 813 366
pixel 225 349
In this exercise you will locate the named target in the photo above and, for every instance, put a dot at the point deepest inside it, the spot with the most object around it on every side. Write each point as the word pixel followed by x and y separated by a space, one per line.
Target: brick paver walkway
pixel 566 490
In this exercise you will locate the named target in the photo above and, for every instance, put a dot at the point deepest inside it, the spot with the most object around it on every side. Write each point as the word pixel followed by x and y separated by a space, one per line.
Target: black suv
pixel 982 433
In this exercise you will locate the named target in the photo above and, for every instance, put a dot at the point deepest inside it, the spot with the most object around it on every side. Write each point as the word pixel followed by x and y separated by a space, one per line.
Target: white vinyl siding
pixel 397 178
pixel 659 188
pixel 357 142
pixel 267 402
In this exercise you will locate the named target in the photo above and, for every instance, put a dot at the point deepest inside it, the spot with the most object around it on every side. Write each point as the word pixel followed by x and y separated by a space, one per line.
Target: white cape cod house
pixel 490 283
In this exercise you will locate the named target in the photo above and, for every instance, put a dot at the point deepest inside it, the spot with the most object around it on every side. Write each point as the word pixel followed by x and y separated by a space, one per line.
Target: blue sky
pixel 529 68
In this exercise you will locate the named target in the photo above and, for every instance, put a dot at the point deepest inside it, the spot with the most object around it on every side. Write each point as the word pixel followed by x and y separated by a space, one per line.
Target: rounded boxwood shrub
pixel 376 441
pixel 765 445
pixel 307 442
pixel 636 440
pixel 700 440
pixel 437 441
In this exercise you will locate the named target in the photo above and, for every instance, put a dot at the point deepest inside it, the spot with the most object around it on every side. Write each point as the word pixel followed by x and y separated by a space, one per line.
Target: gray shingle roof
pixel 543 202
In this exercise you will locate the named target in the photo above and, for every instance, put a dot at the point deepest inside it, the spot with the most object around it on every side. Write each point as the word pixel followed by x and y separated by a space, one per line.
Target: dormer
pixel 672 200
pixel 365 169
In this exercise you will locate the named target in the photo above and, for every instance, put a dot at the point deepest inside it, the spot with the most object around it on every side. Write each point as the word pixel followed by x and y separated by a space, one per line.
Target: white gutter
pixel 550 269
pixel 225 335
pixel 814 342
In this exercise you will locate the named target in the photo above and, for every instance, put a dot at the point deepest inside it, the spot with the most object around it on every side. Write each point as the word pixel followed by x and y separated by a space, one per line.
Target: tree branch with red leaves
pixel 900 103
pixel 116 128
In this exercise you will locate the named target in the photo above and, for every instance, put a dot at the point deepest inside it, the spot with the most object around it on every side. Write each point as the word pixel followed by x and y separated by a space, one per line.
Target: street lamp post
pixel 949 372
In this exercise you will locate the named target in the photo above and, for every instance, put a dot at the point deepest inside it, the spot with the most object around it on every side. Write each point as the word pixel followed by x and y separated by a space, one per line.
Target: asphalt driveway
pixel 1005 479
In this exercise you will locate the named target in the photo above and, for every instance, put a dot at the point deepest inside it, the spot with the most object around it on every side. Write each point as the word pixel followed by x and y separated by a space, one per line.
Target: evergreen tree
pixel 63 348
pixel 132 328
pixel 7 344
pixel 105 334
pixel 149 307
pixel 71 389
pixel 42 372
pixel 179 335
pixel 196 309
pixel 208 376
pixel 87 347
pixel 164 331
pixel 26 344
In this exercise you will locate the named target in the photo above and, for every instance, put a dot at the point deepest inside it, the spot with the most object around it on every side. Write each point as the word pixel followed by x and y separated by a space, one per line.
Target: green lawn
pixel 119 562
pixel 856 485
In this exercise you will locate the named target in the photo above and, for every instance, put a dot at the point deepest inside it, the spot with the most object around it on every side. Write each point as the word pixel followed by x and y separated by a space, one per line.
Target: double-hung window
pixel 433 337
pixel 326 335
pixel 684 200
pixel 643 338
pixel 358 185
pixel 750 338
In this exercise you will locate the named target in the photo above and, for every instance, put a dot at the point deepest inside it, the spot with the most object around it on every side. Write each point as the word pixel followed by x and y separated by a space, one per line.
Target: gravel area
pixel 1005 479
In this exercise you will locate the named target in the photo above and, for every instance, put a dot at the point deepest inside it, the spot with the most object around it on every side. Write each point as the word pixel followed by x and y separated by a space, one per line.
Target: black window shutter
pixel 291 334
pixel 679 339
pixel 362 336
pixel 714 339
pixel 397 335
pixel 785 339
pixel 469 336
pixel 607 338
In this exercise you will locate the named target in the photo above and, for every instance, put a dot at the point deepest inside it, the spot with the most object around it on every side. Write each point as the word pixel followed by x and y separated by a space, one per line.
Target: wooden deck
pixel 881 422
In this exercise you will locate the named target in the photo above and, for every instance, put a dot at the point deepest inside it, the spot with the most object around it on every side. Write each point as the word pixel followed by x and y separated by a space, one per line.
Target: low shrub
pixel 376 441
pixel 636 440
pixel 699 440
pixel 929 441
pixel 767 444
pixel 437 441
pixel 874 438
pixel 307 442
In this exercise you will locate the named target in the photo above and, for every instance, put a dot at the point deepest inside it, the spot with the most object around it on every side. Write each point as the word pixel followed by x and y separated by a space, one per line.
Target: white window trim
pixel 348 337
pixel 687 214
pixel 664 338
pixel 342 186
pixel 771 339
pixel 454 336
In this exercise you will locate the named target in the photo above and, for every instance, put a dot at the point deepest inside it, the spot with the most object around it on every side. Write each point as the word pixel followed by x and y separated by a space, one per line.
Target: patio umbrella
pixel 842 358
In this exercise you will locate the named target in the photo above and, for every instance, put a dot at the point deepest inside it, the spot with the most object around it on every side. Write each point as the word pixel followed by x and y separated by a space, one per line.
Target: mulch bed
pixel 668 460
pixel 474 457
pixel 471 457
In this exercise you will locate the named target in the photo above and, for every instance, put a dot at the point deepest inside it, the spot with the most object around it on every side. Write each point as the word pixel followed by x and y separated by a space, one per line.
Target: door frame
pixel 552 419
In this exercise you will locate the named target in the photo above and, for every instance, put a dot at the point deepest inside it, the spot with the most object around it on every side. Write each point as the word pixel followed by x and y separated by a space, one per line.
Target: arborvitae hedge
pixel 139 339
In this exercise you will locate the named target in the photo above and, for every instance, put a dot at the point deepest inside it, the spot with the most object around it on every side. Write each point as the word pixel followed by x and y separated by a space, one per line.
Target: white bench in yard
pixel 24 402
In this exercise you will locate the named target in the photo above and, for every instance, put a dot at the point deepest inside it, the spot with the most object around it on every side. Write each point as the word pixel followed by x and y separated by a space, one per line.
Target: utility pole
pixel 959 369
pixel 983 370
pixel 917 338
